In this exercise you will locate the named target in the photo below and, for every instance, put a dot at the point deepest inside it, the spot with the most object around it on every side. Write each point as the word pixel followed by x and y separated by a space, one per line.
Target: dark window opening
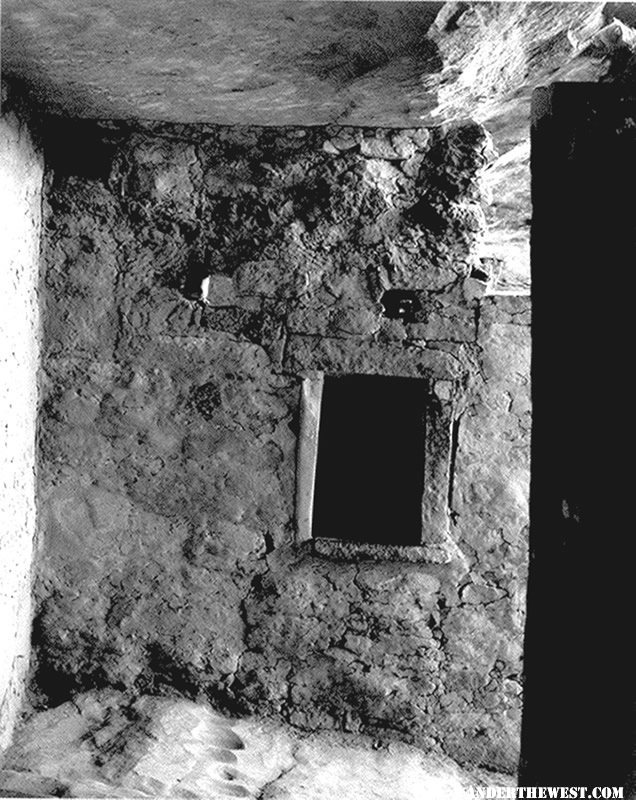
pixel 401 304
pixel 370 463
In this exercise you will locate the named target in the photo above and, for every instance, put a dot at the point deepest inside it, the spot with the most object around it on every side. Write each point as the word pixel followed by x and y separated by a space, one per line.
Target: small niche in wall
pixel 370 463
pixel 374 466
pixel 401 304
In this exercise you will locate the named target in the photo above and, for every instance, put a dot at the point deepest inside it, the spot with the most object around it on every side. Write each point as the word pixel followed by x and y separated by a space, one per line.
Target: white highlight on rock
pixel 20 198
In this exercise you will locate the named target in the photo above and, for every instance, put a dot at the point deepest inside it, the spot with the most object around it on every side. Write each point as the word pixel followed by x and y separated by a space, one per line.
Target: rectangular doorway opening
pixel 370 463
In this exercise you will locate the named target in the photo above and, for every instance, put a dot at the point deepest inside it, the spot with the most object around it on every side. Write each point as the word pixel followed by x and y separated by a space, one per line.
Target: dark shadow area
pixel 579 674
pixel 401 304
pixel 51 682
pixel 79 148
pixel 370 467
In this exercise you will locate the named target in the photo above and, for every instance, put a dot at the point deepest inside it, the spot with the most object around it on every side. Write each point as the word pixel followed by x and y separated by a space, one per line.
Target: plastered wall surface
pixel 21 171
pixel 170 425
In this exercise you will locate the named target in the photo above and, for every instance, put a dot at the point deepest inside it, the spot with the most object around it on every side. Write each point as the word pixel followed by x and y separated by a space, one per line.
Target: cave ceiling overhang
pixel 317 62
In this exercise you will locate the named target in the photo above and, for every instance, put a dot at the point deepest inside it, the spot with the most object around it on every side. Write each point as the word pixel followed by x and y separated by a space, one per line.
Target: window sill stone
pixel 433 553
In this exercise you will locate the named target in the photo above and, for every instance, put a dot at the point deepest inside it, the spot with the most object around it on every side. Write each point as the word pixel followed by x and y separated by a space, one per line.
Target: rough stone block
pixel 265 278
pixel 344 141
pixel 365 356
pixel 506 309
pixel 461 328
pixel 221 291
pixel 164 173
pixel 376 147
pixel 231 319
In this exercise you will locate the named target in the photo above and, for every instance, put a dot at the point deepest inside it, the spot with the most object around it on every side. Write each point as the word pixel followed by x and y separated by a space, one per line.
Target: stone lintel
pixel 365 356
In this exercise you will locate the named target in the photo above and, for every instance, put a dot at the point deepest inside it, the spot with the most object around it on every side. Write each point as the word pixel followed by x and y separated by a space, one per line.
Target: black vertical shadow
pixel 580 669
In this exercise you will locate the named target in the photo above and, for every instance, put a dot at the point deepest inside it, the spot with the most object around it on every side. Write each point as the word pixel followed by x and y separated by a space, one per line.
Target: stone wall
pixel 170 423
pixel 20 201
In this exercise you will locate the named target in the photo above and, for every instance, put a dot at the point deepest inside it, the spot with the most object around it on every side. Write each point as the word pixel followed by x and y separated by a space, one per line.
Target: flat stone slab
pixel 104 744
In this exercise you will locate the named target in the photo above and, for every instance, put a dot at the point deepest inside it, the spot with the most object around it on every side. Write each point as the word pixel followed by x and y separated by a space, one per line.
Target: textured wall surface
pixel 170 425
pixel 20 202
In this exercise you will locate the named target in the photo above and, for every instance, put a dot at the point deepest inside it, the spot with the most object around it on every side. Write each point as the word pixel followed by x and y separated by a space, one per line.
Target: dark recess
pixel 401 304
pixel 578 723
pixel 72 148
pixel 370 467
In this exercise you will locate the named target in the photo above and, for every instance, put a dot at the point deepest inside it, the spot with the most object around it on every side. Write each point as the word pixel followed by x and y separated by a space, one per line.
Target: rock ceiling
pixel 300 62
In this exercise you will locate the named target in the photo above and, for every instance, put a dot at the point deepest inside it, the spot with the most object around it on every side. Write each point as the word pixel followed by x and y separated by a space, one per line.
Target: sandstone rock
pixel 259 278
pixel 331 355
pixel 172 747
pixel 396 772
pixel 474 289
pixel 29 784
pixel 448 327
pixel 411 167
pixel 55 744
pixel 322 64
pixel 344 142
pixel 328 147
pixel 221 291
pixel 374 147
pixel 506 310
pixel 163 171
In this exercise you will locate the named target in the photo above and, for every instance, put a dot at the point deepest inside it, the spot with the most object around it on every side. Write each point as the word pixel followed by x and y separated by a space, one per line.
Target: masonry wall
pixel 170 425
pixel 20 201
